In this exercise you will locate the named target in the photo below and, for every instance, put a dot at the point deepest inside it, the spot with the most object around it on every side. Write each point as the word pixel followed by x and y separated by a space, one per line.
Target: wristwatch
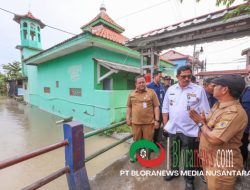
pixel 200 125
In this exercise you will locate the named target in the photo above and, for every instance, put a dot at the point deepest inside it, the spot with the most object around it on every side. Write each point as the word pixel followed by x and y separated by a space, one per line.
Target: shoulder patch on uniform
pixel 222 124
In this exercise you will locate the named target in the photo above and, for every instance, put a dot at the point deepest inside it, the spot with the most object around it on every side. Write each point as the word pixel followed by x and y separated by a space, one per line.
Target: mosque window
pixel 25 34
pixel 107 84
pixel 38 28
pixel 25 24
pixel 32 26
pixel 33 35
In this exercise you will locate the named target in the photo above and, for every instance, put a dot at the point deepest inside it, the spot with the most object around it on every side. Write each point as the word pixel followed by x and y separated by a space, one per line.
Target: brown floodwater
pixel 24 128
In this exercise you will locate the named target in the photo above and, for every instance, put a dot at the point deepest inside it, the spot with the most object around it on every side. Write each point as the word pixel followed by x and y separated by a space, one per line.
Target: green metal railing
pixel 96 132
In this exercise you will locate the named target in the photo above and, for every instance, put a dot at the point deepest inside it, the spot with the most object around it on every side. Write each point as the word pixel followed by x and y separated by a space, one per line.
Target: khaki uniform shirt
pixel 142 105
pixel 227 122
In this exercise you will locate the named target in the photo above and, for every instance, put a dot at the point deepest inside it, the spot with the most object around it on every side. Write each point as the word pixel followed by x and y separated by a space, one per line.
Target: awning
pixel 113 67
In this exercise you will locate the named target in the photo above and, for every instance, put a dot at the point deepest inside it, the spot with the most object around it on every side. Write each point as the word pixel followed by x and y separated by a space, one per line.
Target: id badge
pixel 144 104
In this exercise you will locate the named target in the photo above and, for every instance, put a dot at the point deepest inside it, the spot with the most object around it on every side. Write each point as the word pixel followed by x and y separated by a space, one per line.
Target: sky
pixel 133 15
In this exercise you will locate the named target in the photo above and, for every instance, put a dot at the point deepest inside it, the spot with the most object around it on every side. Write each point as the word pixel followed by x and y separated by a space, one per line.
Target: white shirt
pixel 177 102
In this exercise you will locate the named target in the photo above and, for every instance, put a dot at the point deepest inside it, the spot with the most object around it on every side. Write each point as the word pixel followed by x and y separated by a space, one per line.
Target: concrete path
pixel 110 178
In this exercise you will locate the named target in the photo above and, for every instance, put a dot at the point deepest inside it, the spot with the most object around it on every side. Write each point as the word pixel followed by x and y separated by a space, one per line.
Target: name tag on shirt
pixel 144 105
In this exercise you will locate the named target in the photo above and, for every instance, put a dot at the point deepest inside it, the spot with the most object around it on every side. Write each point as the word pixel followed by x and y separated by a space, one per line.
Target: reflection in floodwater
pixel 24 128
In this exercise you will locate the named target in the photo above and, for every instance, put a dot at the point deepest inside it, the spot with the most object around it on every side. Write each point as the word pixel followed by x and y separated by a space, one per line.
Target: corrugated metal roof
pixel 224 72
pixel 194 21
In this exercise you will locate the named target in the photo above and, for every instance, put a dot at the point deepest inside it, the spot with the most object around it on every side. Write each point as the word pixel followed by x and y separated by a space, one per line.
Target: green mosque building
pixel 88 76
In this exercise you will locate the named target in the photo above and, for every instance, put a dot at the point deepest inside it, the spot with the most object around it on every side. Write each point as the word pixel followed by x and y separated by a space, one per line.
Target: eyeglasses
pixel 186 76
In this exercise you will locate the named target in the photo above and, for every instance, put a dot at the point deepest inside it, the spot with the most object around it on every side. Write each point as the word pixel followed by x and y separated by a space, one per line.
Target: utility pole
pixel 193 58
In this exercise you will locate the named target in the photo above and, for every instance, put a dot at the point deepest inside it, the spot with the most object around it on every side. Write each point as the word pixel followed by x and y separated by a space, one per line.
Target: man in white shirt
pixel 182 130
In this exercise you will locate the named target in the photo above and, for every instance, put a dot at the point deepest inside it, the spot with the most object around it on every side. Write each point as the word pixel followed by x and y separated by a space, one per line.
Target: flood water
pixel 24 128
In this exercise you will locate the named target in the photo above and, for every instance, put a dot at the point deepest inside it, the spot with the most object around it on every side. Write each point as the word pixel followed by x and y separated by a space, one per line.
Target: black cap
pixel 234 82
pixel 208 80
pixel 167 78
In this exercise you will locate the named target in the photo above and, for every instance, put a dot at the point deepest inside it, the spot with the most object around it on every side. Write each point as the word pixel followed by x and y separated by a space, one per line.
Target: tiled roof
pixel 174 55
pixel 168 61
pixel 109 34
pixel 30 16
pixel 224 72
pixel 245 51
pixel 103 15
pixel 187 23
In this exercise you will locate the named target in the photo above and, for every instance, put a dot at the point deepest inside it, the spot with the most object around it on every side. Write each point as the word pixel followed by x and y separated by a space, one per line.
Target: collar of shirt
pixel 188 86
pixel 141 91
pixel 229 103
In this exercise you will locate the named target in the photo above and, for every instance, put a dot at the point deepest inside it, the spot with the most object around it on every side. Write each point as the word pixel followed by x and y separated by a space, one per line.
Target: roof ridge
pixel 103 15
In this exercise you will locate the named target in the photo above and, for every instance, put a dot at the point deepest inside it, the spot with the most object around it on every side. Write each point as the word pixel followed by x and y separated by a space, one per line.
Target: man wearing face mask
pixel 182 130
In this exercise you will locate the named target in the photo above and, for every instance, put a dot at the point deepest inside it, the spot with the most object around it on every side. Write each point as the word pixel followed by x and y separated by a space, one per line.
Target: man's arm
pixel 165 118
pixel 157 116
pixel 128 116
pixel 212 139
pixel 165 109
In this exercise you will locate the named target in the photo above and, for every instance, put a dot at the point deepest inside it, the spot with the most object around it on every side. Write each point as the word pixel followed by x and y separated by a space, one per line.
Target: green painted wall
pixel 96 108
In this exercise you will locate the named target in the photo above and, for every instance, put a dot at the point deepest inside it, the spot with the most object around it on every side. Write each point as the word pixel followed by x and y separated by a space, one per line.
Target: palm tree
pixel 13 70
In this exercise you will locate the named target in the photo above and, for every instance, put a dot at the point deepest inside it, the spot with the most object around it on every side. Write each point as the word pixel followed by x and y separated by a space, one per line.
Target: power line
pixel 229 62
pixel 219 51
pixel 55 28
pixel 7 11
pixel 141 10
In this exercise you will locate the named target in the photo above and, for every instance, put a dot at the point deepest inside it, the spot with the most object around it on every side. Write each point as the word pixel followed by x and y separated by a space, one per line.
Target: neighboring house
pixel 88 76
pixel 178 58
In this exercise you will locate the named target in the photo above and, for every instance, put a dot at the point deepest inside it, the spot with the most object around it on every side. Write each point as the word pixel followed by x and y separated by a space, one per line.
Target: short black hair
pixel 156 72
pixel 137 77
pixel 183 68
pixel 193 79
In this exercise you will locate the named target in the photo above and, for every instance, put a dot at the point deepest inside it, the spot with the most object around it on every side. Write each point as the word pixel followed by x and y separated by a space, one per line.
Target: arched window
pixel 32 26
pixel 38 28
pixel 25 24
pixel 39 40
pixel 25 34
pixel 33 35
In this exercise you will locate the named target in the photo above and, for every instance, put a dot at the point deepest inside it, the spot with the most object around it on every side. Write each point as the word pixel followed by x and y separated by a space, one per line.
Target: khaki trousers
pixel 143 132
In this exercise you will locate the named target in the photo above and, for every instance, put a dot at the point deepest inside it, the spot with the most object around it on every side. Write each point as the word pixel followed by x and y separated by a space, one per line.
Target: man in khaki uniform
pixel 221 133
pixel 142 111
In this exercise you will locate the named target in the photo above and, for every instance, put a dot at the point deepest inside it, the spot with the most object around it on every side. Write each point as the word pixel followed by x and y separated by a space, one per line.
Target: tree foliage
pixel 242 8
pixel 12 70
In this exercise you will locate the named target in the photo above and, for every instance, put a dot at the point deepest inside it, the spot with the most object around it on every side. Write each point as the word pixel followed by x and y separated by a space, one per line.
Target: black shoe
pixel 169 177
pixel 189 186
pixel 203 178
